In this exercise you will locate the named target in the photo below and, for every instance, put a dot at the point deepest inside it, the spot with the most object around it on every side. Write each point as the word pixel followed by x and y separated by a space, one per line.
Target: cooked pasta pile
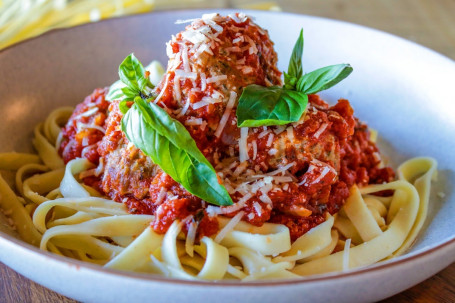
pixel 215 169
pixel 52 209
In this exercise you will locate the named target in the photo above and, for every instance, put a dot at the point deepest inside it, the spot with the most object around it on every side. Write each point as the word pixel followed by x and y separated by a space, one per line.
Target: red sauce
pixel 83 140
pixel 299 207
pixel 330 149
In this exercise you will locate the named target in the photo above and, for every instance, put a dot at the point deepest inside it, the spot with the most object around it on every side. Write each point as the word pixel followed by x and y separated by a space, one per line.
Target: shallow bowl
pixel 403 90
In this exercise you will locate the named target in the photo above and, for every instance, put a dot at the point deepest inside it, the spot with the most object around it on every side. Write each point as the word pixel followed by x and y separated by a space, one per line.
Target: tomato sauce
pixel 328 151
pixel 82 133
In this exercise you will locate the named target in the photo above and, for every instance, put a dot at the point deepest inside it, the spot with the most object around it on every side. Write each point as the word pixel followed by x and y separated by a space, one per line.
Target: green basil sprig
pixel 132 83
pixel 167 142
pixel 323 78
pixel 295 67
pixel 271 106
pixel 265 106
pixel 116 93
pixel 164 139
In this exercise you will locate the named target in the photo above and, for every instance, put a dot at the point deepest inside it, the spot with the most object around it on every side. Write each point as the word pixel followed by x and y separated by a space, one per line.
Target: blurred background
pixel 427 22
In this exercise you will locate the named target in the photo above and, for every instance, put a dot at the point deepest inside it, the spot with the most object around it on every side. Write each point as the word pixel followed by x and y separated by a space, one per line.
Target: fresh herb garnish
pixel 164 139
pixel 323 78
pixel 295 68
pixel 167 142
pixel 264 106
pixel 132 83
pixel 116 93
pixel 270 106
pixel 132 74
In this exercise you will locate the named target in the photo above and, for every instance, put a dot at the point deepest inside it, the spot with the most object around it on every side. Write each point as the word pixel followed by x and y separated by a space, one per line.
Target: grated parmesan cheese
pixel 87 149
pixel 185 108
pixel 247 70
pixel 281 169
pixel 257 207
pixel 273 151
pixel 203 125
pixel 217 95
pixel 216 210
pixel 253 49
pixel 233 49
pixel 80 126
pixel 325 170
pixel 270 140
pixel 263 133
pixel 216 78
pixel 240 169
pixel 227 113
pixel 290 131
pixel 85 141
pixel 190 237
pixel 185 75
pixel 194 121
pixel 180 21
pixel 320 130
pixel 194 36
pixel 266 199
pixel 200 104
pixel 161 196
pixel 87 113
pixel 186 64
pixel 229 227
pixel 243 148
pixel 255 149
pixel 203 81
pixel 279 129
pixel 177 91
pixel 237 40
pixel 176 62
pixel 239 18
pixel 201 49
pixel 282 179
pixel 166 82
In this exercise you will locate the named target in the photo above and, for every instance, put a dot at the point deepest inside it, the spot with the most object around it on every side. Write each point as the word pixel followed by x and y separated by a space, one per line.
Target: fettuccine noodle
pixel 52 209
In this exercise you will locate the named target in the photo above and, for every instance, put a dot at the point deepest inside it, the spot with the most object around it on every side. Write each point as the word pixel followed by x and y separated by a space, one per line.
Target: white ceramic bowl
pixel 401 89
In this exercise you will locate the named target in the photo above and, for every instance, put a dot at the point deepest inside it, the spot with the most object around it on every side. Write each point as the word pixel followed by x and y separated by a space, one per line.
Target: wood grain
pixel 430 23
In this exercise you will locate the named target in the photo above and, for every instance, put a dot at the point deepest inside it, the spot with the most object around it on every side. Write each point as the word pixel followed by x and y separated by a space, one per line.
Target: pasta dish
pixel 220 167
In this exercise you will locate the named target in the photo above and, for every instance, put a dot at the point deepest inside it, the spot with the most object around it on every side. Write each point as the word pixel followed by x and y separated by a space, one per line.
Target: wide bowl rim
pixel 377 267
pixel 400 261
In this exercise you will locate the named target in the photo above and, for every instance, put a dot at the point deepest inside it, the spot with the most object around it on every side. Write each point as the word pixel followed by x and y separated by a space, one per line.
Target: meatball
pixel 209 63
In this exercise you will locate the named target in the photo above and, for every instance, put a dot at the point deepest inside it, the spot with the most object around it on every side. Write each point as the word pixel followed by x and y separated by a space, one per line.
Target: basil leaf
pixel 295 68
pixel 133 81
pixel 123 107
pixel 167 142
pixel 132 74
pixel 323 78
pixel 129 94
pixel 115 91
pixel 289 81
pixel 263 106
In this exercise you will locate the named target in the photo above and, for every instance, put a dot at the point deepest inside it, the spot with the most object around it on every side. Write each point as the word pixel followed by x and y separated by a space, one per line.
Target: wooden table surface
pixel 430 23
